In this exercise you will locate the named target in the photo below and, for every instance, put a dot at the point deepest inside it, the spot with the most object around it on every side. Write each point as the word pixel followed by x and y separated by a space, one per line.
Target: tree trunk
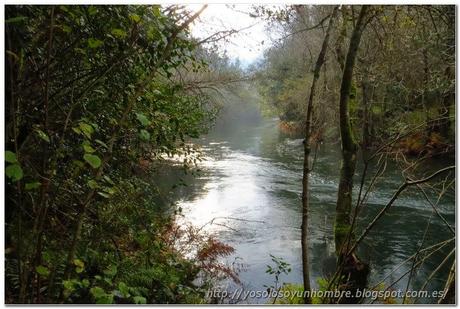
pixel 307 150
pixel 349 147
pixel 352 269
pixel 367 112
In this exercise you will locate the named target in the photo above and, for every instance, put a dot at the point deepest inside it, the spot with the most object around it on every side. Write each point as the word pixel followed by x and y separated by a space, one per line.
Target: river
pixel 250 186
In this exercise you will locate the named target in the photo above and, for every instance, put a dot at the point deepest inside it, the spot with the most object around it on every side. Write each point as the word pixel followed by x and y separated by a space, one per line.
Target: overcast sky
pixel 248 45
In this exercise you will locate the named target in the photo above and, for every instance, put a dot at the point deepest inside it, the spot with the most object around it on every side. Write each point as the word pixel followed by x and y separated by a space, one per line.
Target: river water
pixel 249 186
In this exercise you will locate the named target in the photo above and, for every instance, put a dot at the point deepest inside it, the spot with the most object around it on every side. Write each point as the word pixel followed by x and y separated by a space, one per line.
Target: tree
pixel 349 146
pixel 93 98
pixel 349 153
pixel 307 149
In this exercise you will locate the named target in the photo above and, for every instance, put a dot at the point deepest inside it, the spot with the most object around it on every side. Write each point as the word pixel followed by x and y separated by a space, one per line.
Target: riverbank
pixel 417 144
pixel 249 187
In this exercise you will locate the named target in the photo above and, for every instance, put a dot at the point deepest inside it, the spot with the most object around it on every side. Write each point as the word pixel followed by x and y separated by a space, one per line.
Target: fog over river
pixel 249 186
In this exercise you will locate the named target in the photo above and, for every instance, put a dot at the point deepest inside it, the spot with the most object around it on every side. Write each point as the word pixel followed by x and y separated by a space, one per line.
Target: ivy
pixel 92 160
pixel 14 172
pixel 83 147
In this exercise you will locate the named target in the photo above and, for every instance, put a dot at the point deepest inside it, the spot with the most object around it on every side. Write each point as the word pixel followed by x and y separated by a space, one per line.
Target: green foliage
pixel 100 296
pixel 42 271
pixel 79 265
pixel 92 160
pixel 280 267
pixel 142 119
pixel 14 172
pixel 139 300
pixel 323 284
pixel 134 236
pixel 144 135
pixel 295 291
pixel 112 99
pixel 408 78
pixel 43 135
pixel 10 157
pixel 286 93
pixel 32 185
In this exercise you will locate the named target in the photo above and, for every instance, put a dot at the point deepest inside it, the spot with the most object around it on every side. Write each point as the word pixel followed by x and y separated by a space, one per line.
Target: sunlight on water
pixel 249 196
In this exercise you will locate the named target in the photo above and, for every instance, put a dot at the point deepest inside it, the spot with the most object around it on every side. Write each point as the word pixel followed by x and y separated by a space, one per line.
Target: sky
pixel 247 45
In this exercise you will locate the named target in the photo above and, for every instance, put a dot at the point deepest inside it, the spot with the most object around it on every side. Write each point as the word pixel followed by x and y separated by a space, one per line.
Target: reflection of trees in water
pixel 178 183
pixel 278 175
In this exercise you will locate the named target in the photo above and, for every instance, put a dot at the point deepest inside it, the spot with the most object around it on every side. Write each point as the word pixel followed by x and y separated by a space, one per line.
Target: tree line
pixel 380 79
pixel 94 96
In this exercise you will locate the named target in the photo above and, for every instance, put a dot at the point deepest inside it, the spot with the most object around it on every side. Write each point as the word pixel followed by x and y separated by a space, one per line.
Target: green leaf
pixel 94 43
pixel 88 149
pixel 10 157
pixel 142 119
pixel 119 33
pixel 16 19
pixel 135 18
pixel 32 185
pixel 42 271
pixel 79 265
pixel 106 299
pixel 111 271
pixel 108 281
pixel 110 190
pixel 68 285
pixel 92 160
pixel 124 290
pixel 66 29
pixel 42 135
pixel 78 163
pixel 86 129
pixel 101 296
pixel 97 292
pixel 14 171
pixel 156 11
pixel 144 135
pixel 92 10
pixel 92 184
pixel 140 300
pixel 85 283
pixel 101 143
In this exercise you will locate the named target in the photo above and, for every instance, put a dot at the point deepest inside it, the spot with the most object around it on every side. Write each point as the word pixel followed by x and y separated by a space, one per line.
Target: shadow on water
pixel 253 172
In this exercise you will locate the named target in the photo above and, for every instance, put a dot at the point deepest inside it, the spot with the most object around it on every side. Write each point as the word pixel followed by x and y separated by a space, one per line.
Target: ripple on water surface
pixel 251 187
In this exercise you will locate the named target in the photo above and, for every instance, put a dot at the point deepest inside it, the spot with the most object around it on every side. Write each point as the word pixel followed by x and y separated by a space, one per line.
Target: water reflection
pixel 251 185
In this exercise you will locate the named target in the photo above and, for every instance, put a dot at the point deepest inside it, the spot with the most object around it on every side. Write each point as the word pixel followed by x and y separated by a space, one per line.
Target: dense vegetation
pixel 95 94
pixel 98 96
pixel 403 75
pixel 380 79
